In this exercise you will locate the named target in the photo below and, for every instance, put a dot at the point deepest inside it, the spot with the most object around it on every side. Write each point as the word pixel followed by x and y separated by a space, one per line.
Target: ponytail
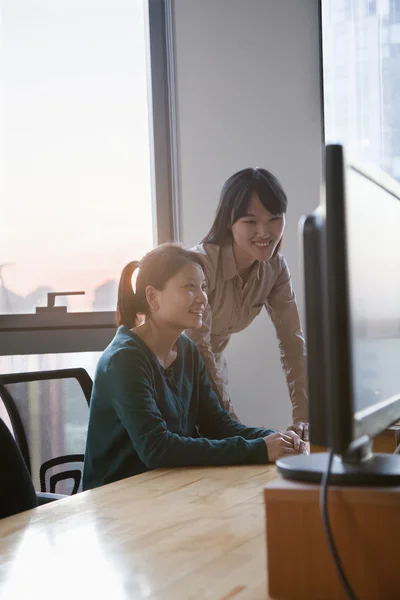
pixel 127 303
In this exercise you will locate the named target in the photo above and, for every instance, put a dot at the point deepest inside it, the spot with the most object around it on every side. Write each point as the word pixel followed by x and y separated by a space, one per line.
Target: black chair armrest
pixel 45 497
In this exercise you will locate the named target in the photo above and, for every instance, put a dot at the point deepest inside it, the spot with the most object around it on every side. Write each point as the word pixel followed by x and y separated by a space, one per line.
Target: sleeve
pixel 216 422
pixel 282 308
pixel 202 339
pixel 133 397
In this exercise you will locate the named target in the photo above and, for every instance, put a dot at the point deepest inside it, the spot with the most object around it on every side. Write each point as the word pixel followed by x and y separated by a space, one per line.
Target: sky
pixel 75 169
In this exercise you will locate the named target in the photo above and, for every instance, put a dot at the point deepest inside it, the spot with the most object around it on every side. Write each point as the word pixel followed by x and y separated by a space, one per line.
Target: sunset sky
pixel 76 199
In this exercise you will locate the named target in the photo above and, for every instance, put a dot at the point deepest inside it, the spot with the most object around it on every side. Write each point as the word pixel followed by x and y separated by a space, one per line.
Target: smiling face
pixel 257 234
pixel 181 303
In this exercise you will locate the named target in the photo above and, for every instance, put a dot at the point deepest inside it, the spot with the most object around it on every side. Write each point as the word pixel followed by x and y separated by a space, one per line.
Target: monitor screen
pixel 372 213
pixel 351 247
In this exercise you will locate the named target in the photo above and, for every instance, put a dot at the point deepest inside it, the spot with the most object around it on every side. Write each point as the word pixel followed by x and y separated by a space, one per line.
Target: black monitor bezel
pixel 312 228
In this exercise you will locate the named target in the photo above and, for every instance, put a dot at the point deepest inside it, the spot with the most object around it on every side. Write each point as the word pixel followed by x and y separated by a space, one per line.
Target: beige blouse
pixel 233 306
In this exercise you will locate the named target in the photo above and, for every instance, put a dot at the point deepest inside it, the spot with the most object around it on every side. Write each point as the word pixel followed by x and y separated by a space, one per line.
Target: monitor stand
pixel 360 467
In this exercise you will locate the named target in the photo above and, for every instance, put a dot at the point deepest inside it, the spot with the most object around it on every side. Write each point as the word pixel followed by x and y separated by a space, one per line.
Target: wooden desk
pixel 168 534
pixel 388 440
pixel 385 442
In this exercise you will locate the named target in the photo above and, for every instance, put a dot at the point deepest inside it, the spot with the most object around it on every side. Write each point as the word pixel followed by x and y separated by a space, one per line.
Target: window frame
pixel 59 332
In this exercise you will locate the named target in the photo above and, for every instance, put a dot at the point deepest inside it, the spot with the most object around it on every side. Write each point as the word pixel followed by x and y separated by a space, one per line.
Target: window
pixel 362 95
pixel 371 7
pixel 85 166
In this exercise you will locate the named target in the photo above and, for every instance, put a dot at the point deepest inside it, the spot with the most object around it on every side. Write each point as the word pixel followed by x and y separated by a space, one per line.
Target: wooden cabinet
pixel 366 528
pixel 387 441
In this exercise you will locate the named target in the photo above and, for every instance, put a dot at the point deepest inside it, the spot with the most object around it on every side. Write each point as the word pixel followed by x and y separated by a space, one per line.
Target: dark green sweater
pixel 144 417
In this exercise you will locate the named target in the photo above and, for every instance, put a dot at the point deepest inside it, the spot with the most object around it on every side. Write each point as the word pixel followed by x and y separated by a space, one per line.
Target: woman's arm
pixel 282 308
pixel 216 422
pixel 132 394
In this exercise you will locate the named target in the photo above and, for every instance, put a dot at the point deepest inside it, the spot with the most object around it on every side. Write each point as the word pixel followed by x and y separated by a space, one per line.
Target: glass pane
pixel 75 169
pixel 47 362
pixel 5 416
pixel 361 58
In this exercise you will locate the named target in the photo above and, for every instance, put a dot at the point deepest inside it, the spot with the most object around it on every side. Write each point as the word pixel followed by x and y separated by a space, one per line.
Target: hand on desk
pixel 283 443
pixel 302 429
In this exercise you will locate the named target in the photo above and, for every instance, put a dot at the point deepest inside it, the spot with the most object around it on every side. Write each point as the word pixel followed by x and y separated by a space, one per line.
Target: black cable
pixel 325 519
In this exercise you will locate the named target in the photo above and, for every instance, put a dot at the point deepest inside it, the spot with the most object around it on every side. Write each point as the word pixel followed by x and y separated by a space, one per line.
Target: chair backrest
pixel 48 412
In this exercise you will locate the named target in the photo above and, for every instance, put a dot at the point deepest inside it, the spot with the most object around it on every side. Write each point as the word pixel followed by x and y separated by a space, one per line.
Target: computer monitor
pixel 351 251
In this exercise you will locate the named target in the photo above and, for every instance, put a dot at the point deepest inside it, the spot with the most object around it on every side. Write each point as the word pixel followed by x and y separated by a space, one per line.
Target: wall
pixel 248 94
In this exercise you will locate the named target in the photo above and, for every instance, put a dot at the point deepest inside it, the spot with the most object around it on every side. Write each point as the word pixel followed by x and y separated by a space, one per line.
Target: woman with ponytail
pixel 152 403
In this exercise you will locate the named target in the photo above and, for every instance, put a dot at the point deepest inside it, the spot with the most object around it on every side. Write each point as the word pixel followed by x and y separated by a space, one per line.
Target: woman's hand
pixel 302 429
pixel 284 443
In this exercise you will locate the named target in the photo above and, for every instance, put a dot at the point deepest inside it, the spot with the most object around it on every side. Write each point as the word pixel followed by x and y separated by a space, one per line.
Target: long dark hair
pixel 155 269
pixel 235 198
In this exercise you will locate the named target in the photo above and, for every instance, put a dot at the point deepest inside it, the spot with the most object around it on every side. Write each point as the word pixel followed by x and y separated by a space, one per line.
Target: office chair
pixel 48 412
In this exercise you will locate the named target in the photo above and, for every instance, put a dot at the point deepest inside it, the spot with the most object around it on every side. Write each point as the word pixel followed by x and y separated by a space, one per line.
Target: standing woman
pixel 246 271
